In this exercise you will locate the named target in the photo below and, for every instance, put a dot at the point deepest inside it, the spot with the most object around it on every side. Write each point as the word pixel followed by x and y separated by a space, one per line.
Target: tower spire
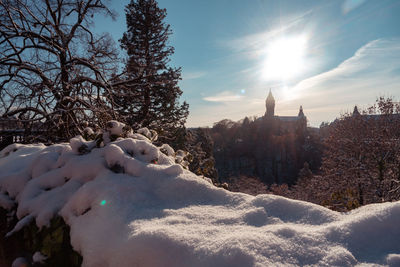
pixel 270 105
pixel 301 114
pixel 355 111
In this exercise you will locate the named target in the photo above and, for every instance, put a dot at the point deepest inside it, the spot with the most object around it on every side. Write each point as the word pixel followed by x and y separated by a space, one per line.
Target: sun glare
pixel 285 58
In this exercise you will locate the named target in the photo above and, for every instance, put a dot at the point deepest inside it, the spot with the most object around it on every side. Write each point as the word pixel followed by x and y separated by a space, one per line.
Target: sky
pixel 324 55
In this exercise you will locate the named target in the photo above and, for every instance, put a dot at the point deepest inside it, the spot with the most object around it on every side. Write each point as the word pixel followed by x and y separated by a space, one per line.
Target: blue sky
pixel 229 51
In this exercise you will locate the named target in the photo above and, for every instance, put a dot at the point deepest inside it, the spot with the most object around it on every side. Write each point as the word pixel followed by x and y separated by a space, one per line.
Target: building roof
pixel 289 118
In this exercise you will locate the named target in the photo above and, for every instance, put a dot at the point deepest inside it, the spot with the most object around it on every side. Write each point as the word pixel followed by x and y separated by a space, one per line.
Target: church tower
pixel 301 113
pixel 355 111
pixel 270 105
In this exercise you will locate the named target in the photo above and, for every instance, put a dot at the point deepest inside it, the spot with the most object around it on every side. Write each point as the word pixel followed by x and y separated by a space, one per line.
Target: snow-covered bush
pixel 33 197
pixel 126 202
pixel 117 131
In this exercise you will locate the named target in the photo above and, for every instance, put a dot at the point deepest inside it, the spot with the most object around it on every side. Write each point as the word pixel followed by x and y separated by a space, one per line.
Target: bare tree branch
pixel 51 65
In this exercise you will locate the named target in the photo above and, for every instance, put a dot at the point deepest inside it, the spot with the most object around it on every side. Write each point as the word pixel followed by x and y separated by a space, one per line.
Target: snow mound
pixel 20 262
pixel 129 204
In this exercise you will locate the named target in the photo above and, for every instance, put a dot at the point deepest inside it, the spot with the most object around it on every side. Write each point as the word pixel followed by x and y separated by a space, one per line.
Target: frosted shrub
pixel 32 196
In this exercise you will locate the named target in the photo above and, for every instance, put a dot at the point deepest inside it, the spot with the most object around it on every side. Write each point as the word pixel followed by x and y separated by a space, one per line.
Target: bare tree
pixel 361 162
pixel 54 72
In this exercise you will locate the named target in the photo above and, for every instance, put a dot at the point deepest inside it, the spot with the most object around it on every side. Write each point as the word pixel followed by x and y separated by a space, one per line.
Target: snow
pixel 20 262
pixel 129 204
pixel 115 127
pixel 38 257
pixel 88 131
pixel 166 149
pixel 393 260
pixel 144 131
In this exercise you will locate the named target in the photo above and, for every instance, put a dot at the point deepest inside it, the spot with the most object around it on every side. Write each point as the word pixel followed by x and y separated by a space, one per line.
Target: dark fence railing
pixel 14 130
pixel 8 137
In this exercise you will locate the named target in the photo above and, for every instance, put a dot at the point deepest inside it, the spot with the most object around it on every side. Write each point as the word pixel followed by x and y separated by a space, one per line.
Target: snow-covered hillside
pixel 129 204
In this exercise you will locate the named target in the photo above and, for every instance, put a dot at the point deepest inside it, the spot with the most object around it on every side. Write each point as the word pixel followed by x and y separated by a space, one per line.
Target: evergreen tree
pixel 151 99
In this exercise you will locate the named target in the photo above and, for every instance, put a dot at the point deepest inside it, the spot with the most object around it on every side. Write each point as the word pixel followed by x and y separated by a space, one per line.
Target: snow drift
pixel 129 204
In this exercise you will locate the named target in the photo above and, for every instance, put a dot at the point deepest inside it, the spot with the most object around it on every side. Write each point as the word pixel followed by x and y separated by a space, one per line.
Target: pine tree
pixel 152 98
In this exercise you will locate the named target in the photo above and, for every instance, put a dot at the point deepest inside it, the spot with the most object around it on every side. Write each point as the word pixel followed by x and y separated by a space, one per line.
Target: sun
pixel 285 58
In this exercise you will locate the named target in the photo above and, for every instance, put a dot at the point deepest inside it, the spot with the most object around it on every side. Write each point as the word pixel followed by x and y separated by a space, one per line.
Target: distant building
pixel 284 122
pixel 372 116
pixel 355 111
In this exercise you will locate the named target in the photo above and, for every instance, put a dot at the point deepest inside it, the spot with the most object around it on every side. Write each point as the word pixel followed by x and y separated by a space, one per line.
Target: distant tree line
pixel 361 161
pixel 264 148
pixel 345 164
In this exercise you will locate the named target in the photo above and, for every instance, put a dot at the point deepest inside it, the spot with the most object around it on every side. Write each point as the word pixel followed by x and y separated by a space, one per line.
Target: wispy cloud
pixel 223 97
pixel 254 44
pixel 234 110
pixel 349 5
pixel 372 71
pixel 193 75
